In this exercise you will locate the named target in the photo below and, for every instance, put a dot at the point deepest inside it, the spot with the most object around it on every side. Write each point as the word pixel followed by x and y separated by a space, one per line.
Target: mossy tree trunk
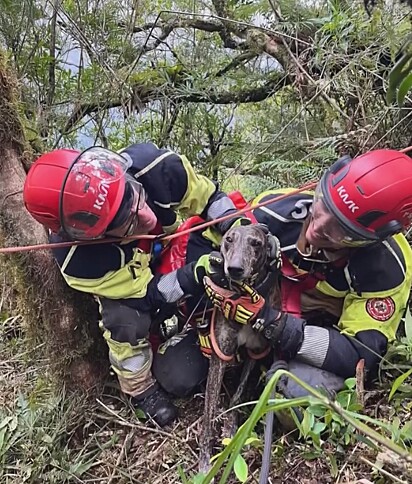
pixel 63 320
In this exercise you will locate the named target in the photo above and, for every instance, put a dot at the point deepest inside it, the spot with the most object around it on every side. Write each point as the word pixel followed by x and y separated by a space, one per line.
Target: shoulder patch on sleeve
pixel 380 308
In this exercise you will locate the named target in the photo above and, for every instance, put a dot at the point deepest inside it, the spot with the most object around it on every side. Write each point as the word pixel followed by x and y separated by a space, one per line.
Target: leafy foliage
pixel 242 90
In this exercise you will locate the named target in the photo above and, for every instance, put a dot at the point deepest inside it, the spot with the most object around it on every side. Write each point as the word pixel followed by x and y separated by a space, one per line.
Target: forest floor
pixel 49 436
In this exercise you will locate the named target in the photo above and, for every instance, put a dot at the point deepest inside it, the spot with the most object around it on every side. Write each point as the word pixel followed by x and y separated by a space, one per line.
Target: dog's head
pixel 246 251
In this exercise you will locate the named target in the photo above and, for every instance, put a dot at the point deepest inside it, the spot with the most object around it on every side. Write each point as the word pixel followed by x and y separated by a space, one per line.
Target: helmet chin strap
pixel 391 228
pixel 310 252
pixel 336 254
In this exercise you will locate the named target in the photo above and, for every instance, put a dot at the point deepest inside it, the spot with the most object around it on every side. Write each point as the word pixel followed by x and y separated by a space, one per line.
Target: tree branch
pixel 236 62
pixel 225 33
pixel 200 24
pixel 145 95
pixel 223 29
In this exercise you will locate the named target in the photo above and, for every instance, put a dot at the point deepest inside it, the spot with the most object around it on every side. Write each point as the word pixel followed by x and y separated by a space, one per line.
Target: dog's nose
pixel 235 272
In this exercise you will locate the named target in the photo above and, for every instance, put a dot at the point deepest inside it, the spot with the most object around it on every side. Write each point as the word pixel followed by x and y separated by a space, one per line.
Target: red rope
pixel 26 248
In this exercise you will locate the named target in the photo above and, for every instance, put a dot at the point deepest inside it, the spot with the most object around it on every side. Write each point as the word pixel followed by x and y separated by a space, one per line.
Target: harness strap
pixel 240 203
pixel 230 358
pixel 293 285
pixel 213 340
pixel 259 356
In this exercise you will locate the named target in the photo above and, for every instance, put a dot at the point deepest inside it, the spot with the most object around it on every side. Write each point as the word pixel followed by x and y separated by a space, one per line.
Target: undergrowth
pixel 50 436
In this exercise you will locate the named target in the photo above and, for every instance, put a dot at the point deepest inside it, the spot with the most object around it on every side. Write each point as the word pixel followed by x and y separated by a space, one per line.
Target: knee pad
pixel 125 324
pixel 315 377
pixel 179 365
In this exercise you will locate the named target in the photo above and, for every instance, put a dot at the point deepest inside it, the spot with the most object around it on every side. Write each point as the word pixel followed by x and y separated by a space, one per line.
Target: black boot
pixel 156 405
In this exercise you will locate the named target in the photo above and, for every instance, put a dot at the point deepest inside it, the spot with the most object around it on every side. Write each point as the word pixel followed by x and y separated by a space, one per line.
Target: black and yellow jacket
pixel 123 271
pixel 365 297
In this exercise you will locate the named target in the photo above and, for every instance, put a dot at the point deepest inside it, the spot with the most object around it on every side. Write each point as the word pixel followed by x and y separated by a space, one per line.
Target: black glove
pixel 233 222
pixel 211 265
pixel 270 323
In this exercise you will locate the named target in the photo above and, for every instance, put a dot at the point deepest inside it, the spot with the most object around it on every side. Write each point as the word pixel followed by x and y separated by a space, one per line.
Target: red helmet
pixel 370 195
pixel 92 193
pixel 41 192
pixel 80 193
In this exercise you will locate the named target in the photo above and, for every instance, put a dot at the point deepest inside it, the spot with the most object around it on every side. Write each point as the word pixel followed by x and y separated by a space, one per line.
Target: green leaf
pixel 2 441
pixel 334 470
pixel 226 441
pixel 80 468
pixel 406 430
pixel 350 383
pixel 5 422
pixel 182 475
pixel 310 455
pixel 404 88
pixel 398 382
pixel 140 414
pixel 319 427
pixel 240 468
pixel 396 76
pixel 198 478
pixel 307 422
pixel 13 424
pixel 408 324
pixel 47 439
pixel 252 441
pixel 317 410
pixel 214 457
pixel 315 439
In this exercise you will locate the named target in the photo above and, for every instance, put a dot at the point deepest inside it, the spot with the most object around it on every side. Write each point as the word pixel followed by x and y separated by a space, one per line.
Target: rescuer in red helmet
pixel 346 272
pixel 99 193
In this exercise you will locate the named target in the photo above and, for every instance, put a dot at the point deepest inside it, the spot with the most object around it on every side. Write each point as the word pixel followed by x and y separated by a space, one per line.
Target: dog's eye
pixel 256 243
pixel 229 239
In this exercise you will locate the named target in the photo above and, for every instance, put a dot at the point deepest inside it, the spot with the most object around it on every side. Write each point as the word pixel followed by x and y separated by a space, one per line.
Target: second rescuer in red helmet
pixel 347 269
pixel 98 193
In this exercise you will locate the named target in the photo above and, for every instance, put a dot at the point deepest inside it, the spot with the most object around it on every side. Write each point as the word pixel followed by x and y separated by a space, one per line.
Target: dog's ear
pixel 264 228
pixel 274 253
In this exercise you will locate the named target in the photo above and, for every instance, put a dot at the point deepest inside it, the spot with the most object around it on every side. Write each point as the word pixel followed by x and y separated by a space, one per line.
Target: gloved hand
pixel 247 306
pixel 241 306
pixel 270 322
pixel 211 265
pixel 204 341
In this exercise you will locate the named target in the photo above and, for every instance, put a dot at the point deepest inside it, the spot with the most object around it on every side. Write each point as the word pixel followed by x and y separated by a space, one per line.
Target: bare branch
pixel 236 62
pixel 224 30
pixel 200 24
pixel 145 95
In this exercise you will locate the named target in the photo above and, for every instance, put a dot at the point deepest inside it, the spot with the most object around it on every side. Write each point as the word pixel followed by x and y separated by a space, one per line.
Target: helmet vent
pixel 86 218
pixel 369 217
pixel 360 190
pixel 335 180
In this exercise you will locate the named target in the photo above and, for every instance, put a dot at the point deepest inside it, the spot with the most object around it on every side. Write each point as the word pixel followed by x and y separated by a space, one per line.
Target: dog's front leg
pixel 231 423
pixel 213 386
pixel 225 337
